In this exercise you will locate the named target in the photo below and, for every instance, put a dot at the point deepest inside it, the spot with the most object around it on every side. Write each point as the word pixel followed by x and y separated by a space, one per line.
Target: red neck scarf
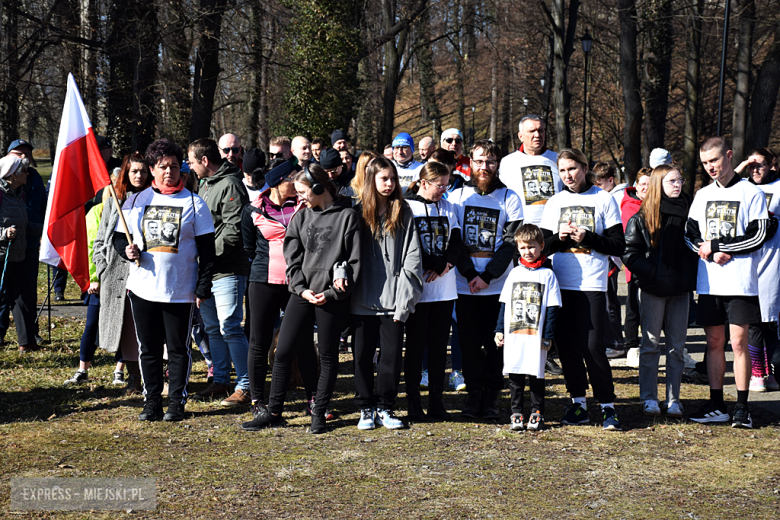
pixel 168 190
pixel 536 265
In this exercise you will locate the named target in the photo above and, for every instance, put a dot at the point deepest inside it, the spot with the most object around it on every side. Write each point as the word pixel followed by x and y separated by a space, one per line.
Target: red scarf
pixel 536 265
pixel 168 190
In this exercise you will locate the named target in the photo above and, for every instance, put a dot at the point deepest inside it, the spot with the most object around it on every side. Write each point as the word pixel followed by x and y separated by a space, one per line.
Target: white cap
pixel 449 133
pixel 8 165
pixel 660 156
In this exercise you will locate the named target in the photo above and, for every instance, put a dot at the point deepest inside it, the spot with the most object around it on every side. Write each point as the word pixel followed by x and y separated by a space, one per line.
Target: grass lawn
pixel 207 467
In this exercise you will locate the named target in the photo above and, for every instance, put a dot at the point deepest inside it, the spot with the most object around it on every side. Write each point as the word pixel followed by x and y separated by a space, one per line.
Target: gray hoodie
pixel 322 246
pixel 391 282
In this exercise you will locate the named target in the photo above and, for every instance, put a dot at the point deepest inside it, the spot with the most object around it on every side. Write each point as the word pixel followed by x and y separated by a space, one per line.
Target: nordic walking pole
pixel 122 218
pixel 5 264
pixel 48 299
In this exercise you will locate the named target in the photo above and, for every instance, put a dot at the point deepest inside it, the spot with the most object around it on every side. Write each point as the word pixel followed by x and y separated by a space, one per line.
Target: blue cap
pixel 18 143
pixel 404 139
pixel 276 175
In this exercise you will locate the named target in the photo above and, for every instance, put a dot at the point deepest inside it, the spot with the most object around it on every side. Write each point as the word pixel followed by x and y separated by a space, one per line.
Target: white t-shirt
pixel 435 223
pixel 728 211
pixel 483 217
pixel 527 294
pixel 769 263
pixel 534 178
pixel 408 175
pixel 581 269
pixel 253 193
pixel 164 228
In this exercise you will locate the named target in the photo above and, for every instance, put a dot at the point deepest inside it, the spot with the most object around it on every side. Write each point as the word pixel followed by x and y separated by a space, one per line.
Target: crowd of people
pixel 511 260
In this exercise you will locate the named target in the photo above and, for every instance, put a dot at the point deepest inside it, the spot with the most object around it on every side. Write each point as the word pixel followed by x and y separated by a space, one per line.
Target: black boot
pixel 473 407
pixel 436 409
pixel 318 422
pixel 414 410
pixel 490 408
pixel 262 418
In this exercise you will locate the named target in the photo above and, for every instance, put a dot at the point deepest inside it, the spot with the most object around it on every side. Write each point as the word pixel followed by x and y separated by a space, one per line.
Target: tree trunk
pixel 145 77
pixel 548 80
pixel 88 84
pixel 506 108
pixel 692 85
pixel 494 100
pixel 207 67
pixel 764 100
pixel 119 89
pixel 658 68
pixel 429 109
pixel 393 53
pixel 9 122
pixel 257 66
pixel 178 98
pixel 629 78
pixel 564 48
pixel 747 18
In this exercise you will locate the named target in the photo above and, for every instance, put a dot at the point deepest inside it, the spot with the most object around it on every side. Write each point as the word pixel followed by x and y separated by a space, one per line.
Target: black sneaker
pixel 575 415
pixel 79 377
pixel 490 409
pixel 59 297
pixel 262 418
pixel 741 417
pixel 473 407
pixel 436 409
pixel 414 410
pixel 152 411
pixel 710 413
pixel 611 421
pixel 318 423
pixel 175 411
pixel 551 367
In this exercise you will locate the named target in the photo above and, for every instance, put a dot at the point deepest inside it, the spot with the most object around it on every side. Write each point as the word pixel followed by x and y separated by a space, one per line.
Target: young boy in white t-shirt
pixel 526 324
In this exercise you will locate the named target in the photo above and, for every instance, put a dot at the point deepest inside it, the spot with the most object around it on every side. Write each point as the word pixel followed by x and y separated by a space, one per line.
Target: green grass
pixel 207 467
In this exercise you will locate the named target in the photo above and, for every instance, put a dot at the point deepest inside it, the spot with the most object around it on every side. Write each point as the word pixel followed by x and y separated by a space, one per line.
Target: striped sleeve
pixel 693 235
pixel 754 237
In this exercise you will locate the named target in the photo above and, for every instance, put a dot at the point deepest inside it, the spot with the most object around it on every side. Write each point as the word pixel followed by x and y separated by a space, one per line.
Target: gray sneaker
pixel 119 378
pixel 79 377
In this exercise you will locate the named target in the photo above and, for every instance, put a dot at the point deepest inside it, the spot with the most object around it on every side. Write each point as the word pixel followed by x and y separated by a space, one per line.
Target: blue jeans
pixel 222 315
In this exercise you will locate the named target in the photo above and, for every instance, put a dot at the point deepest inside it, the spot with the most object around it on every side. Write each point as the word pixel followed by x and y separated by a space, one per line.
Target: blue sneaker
pixel 575 415
pixel 424 380
pixel 457 382
pixel 610 420
pixel 366 421
pixel 388 419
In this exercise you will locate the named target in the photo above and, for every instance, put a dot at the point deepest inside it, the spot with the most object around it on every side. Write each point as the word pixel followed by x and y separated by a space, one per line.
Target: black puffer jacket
pixel 645 262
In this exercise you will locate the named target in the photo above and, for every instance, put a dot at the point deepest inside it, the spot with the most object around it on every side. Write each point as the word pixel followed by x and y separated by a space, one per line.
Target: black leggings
pixel 266 301
pixel 579 338
pixel 296 340
pixel 390 334
pixel 428 326
pixel 477 315
pixel 159 324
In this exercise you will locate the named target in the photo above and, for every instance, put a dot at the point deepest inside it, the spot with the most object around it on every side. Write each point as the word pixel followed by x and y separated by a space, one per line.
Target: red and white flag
pixel 77 174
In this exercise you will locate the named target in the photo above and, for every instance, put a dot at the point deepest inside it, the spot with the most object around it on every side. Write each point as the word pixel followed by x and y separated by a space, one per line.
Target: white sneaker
pixel 675 410
pixel 366 421
pixel 757 384
pixel 424 380
pixel 119 378
pixel 457 382
pixel 689 361
pixel 388 419
pixel 651 408
pixel 615 353
pixel 632 358
pixel 771 383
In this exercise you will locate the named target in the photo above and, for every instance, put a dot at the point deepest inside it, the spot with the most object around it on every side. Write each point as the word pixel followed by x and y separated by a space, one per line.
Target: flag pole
pixel 122 218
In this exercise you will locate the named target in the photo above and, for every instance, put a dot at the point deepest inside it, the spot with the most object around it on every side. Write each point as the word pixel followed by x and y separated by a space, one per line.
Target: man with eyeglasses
pixel 279 148
pixel 230 149
pixel 490 213
pixel 403 158
pixel 452 140
pixel 340 175
pixel 529 166
pixel 301 149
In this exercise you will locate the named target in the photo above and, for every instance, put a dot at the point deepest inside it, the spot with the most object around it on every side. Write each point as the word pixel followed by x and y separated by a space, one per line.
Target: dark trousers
pixel 580 343
pixel 89 339
pixel 158 324
pixel 613 328
pixel 390 335
pixel 632 316
pixel 27 302
pixel 266 301
pixel 296 340
pixel 483 362
pixel 428 326
pixel 60 279
pixel 12 287
pixel 517 388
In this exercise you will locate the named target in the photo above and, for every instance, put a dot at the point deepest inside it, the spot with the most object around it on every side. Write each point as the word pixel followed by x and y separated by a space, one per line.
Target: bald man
pixel 230 150
pixel 426 148
pixel 301 148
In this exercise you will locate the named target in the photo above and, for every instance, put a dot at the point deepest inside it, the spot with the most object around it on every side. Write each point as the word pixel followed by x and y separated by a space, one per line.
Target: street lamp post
pixel 587 44
pixel 525 103
pixel 473 130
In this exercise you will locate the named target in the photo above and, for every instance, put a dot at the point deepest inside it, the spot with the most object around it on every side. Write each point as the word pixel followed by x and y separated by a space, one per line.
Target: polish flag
pixel 77 174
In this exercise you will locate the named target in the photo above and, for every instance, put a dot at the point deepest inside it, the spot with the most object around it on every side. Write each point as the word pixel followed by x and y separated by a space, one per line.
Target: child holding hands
pixel 530 301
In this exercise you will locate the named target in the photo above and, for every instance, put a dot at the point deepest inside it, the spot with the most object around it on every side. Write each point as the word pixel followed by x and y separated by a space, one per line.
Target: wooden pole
pixel 122 218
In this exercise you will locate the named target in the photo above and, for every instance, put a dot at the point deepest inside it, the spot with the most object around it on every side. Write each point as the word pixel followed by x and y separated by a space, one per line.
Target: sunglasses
pixel 449 140
pixel 279 155
pixel 234 149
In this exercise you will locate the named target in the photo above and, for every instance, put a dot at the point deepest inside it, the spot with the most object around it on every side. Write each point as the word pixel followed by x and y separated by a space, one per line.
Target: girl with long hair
pixel 386 293
pixel 664 269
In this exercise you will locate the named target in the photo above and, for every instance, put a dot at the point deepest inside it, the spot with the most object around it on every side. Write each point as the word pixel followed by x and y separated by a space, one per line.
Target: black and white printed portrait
pixel 712 228
pixel 547 189
pixel 439 244
pixel 726 229
pixel 517 310
pixel 471 235
pixel 168 233
pixel 532 313
pixel 427 243
pixel 485 239
pixel 532 188
pixel 153 230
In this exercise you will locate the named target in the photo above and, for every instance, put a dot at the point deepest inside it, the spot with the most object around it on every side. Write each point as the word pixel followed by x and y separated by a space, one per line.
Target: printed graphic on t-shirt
pixel 537 184
pixel 161 226
pixel 434 232
pixel 768 198
pixel 317 238
pixel 580 216
pixel 481 227
pixel 721 219
pixel 526 307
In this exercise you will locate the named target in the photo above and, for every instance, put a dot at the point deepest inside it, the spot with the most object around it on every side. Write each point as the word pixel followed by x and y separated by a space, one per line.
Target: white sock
pixel 607 405
pixel 581 401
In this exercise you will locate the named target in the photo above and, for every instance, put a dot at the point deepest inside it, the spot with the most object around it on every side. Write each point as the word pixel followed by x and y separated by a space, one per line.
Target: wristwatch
pixel 546 344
